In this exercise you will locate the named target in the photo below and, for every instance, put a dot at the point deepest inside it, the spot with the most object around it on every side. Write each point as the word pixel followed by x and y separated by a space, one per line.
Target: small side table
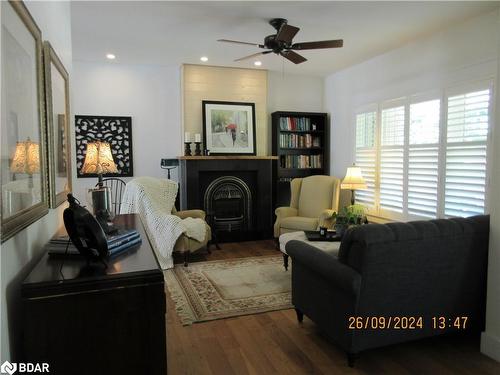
pixel 330 247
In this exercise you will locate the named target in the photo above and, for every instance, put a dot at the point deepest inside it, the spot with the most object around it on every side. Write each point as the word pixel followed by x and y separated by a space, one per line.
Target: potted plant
pixel 349 216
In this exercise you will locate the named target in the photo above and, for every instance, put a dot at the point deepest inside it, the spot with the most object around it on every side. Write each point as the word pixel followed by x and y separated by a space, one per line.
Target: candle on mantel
pixel 187 137
pixel 197 137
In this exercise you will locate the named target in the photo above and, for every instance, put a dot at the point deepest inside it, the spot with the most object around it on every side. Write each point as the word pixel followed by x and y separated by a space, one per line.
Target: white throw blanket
pixel 153 199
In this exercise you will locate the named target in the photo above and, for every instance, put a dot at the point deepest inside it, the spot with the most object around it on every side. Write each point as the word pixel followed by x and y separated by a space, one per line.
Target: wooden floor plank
pixel 274 342
pixel 251 347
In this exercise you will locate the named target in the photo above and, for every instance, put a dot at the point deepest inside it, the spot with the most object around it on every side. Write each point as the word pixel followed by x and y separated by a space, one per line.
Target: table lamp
pixel 26 159
pixel 353 180
pixel 99 160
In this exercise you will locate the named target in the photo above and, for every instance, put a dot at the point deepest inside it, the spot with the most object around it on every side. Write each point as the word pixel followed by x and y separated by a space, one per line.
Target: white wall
pixel 490 339
pixel 20 253
pixel 293 92
pixel 150 94
pixel 465 52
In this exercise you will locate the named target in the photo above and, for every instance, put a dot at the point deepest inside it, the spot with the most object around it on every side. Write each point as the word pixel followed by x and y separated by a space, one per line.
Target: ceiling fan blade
pixel 293 57
pixel 319 44
pixel 253 55
pixel 287 33
pixel 238 42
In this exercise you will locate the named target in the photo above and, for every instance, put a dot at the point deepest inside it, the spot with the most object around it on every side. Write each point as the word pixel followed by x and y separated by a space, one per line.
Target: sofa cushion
pixel 299 223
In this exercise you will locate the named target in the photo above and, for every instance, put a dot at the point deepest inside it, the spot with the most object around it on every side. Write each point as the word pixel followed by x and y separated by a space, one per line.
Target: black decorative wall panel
pixel 115 130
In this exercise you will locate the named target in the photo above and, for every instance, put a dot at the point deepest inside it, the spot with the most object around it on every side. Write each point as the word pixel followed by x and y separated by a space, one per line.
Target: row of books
pixel 301 161
pixel 118 242
pixel 297 123
pixel 299 141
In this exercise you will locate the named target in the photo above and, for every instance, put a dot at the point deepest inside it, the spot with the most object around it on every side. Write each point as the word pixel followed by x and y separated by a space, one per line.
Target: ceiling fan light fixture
pixel 257 63
pixel 282 44
pixel 110 56
pixel 204 58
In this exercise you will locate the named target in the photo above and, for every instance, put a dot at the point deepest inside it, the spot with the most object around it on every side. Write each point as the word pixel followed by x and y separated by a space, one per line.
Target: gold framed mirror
pixel 23 179
pixel 57 112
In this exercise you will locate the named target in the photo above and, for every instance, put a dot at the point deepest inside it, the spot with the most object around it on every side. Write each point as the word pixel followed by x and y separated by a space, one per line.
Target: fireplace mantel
pixel 197 172
pixel 228 157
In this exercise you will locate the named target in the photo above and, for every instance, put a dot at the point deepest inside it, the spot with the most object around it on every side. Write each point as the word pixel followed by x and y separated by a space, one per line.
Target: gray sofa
pixel 425 269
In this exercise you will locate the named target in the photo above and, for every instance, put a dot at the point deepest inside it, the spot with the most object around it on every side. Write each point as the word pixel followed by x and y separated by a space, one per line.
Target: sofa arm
pixel 281 213
pixel 195 214
pixel 327 218
pixel 326 265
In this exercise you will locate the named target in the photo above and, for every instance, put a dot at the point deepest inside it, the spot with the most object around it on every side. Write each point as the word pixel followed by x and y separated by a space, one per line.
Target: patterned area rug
pixel 225 288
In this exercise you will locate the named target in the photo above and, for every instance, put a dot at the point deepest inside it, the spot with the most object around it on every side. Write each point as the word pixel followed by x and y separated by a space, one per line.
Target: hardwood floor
pixel 274 343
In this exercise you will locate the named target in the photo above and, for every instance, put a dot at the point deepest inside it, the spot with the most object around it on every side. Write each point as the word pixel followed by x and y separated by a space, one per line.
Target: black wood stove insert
pixel 235 192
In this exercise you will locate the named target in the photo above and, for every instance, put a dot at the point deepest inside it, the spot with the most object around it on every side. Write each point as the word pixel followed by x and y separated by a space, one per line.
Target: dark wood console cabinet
pixel 91 320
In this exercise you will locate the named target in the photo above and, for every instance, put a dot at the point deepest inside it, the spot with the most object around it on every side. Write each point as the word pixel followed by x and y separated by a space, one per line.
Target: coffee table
pixel 330 247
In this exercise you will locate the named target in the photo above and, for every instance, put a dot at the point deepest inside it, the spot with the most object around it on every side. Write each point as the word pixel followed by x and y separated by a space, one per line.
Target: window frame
pixel 443 96
pixel 369 108
pixel 386 105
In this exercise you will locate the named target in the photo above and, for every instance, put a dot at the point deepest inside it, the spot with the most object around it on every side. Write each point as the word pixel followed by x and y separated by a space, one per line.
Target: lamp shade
pixel 98 159
pixel 26 158
pixel 353 179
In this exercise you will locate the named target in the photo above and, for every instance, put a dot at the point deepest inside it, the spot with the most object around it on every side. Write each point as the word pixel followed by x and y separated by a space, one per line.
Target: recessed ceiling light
pixel 204 58
pixel 257 63
pixel 110 56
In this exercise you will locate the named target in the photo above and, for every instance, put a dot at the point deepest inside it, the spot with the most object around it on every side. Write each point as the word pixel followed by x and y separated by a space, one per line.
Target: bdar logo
pixel 8 368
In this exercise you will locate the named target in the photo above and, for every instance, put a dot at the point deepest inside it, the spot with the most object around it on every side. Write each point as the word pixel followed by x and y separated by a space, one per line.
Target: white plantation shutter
pixel 391 159
pixel 466 150
pixel 423 158
pixel 366 156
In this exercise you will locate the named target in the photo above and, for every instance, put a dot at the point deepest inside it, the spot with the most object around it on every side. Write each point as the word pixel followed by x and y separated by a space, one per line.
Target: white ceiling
pixel 169 33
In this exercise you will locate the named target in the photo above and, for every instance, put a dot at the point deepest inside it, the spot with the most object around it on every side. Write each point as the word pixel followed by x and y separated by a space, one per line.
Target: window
pixel 466 143
pixel 423 158
pixel 391 159
pixel 426 158
pixel 365 155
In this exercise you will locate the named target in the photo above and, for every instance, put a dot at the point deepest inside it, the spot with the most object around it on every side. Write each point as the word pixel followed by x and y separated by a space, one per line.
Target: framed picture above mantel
pixel 229 128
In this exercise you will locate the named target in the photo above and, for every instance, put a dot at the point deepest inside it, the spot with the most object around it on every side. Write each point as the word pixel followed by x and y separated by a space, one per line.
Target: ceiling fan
pixel 281 43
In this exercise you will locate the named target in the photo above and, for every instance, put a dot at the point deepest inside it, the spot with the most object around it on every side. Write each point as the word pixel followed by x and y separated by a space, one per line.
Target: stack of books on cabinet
pixel 300 140
pixel 118 242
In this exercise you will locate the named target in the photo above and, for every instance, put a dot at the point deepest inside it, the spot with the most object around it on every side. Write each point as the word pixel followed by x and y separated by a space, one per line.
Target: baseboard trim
pixel 490 346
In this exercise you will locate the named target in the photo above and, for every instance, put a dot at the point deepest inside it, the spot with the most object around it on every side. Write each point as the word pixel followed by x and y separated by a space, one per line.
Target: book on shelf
pixel 301 161
pixel 299 141
pixel 296 124
pixel 118 242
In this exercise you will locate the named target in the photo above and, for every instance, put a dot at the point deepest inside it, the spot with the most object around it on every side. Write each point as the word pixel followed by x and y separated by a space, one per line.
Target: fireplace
pixel 228 204
pixel 235 191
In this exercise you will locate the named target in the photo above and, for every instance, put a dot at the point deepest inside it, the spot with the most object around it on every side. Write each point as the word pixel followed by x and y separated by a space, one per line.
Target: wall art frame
pixel 229 128
pixel 59 144
pixel 116 130
pixel 24 197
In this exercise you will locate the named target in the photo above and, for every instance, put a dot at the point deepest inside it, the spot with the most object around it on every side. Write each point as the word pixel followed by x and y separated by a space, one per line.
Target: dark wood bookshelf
pixel 282 148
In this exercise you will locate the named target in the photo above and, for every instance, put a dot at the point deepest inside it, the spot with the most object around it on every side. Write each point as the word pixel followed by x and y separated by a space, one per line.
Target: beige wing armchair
pixel 186 245
pixel 313 202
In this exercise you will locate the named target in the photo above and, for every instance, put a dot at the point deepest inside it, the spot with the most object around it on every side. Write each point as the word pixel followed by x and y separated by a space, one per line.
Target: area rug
pixel 225 288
